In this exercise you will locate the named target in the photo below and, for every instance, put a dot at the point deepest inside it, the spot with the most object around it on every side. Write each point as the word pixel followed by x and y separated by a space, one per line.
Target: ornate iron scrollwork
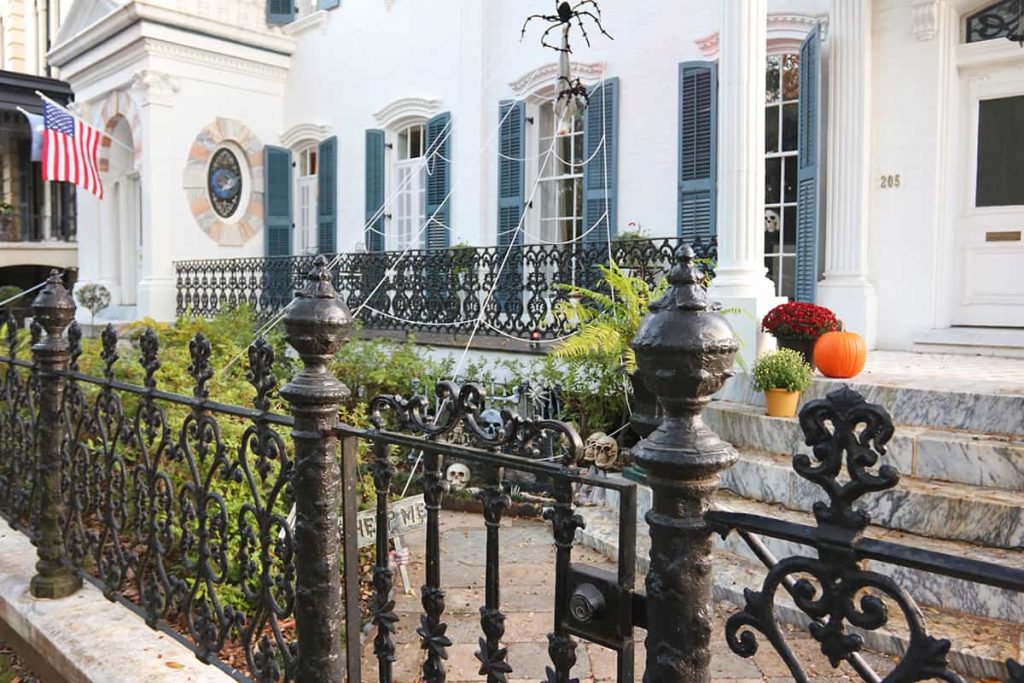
pixel 846 434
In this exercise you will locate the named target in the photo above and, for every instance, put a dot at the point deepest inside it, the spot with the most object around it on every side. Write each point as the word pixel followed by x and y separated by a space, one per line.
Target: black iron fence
pixel 138 490
pixel 447 290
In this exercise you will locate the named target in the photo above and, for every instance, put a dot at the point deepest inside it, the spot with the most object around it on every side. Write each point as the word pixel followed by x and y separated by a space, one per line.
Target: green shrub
pixel 782 369
pixel 8 291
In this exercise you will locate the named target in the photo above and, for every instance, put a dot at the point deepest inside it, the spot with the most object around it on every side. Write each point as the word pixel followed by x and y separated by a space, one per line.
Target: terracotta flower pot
pixel 781 403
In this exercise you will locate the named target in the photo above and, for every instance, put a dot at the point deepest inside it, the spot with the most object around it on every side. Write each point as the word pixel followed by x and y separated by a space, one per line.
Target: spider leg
pixel 597 20
pixel 542 17
pixel 583 3
pixel 545 43
pixel 583 30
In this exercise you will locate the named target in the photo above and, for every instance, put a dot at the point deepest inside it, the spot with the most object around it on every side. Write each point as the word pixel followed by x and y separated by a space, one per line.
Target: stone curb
pixel 86 638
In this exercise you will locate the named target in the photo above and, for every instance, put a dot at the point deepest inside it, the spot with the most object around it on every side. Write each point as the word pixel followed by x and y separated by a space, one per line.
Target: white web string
pixel 460 175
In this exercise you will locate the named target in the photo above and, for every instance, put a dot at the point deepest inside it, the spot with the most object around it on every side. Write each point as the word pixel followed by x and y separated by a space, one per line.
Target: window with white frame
pixel 560 148
pixel 305 209
pixel 409 188
pixel 782 121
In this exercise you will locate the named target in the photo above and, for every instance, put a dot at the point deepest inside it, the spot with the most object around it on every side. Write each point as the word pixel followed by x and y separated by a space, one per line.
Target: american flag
pixel 69 150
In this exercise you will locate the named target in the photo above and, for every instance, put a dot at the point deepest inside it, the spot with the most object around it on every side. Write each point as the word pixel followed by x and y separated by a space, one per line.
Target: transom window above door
pixel 999 20
pixel 560 149
pixel 782 125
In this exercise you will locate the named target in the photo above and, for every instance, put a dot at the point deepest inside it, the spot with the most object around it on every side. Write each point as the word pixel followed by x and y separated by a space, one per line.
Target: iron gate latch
pixel 600 608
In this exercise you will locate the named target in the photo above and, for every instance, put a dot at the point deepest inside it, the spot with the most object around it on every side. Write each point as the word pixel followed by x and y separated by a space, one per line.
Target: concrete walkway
pixel 527 598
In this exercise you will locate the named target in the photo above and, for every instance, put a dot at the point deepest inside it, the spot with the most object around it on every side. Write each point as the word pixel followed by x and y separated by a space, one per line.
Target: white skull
pixel 491 422
pixel 606 452
pixel 457 476
pixel 592 446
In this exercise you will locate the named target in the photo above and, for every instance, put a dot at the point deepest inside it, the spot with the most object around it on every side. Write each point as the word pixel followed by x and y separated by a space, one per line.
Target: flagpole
pixel 73 114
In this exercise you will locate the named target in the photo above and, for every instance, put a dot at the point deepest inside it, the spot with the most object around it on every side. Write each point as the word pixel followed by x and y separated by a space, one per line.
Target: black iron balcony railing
pixel 439 291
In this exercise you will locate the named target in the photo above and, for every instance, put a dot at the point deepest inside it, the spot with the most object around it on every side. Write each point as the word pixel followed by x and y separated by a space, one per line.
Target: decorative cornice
pixel 785 33
pixel 544 75
pixel 407 107
pixel 305 131
pixel 154 87
pixel 217 60
pixel 926 18
pixel 306 23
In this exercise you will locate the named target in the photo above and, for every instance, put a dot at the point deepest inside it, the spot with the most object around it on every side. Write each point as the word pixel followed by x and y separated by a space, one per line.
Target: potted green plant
pixel 782 375
pixel 94 298
pixel 797 325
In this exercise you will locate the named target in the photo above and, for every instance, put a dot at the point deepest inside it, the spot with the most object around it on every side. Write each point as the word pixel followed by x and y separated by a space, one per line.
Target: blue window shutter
pixel 600 174
pixel 808 209
pixel 438 207
pixel 698 150
pixel 511 181
pixel 280 11
pixel 375 190
pixel 277 201
pixel 511 170
pixel 327 196
pixel 329 4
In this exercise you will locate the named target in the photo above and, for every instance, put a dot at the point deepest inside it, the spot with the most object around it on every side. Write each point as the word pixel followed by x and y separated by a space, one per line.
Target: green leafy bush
pixel 782 369
pixel 8 291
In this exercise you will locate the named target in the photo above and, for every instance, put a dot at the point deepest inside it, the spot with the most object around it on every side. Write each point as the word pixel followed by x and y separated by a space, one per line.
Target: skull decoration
pixel 606 452
pixel 590 448
pixel 490 423
pixel 457 476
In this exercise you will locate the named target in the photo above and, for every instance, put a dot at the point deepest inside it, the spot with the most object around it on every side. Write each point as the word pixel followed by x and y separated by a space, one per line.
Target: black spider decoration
pixel 573 89
pixel 564 15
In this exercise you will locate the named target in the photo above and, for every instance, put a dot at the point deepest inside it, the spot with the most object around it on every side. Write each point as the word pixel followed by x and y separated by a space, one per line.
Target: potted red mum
pixel 797 325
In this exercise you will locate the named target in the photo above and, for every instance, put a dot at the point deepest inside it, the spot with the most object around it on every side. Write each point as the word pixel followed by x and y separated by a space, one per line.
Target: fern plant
pixel 607 320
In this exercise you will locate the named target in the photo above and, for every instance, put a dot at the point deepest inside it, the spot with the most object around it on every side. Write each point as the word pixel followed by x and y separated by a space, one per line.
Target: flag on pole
pixel 70 148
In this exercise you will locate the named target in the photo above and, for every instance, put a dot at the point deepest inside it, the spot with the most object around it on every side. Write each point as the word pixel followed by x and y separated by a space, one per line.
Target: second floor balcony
pixel 510 295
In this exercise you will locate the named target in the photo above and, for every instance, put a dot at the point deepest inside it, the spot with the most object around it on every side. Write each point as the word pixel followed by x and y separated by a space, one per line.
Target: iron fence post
pixel 685 350
pixel 316 325
pixel 54 310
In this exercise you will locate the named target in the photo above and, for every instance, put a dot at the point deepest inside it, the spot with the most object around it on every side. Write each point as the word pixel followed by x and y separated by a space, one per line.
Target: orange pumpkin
pixel 840 354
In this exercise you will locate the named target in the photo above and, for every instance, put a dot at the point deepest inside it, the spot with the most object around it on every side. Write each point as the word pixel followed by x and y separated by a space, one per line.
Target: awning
pixel 19 90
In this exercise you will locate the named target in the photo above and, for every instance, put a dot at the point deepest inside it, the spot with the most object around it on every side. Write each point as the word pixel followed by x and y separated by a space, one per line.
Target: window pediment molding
pixel 406 109
pixel 786 32
pixel 542 77
pixel 305 131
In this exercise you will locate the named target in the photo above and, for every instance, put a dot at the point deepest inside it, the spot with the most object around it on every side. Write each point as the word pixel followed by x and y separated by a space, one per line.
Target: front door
pixel 127 196
pixel 990 227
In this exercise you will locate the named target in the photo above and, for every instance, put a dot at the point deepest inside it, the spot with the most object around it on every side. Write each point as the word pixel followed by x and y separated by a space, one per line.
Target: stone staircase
pixel 961 457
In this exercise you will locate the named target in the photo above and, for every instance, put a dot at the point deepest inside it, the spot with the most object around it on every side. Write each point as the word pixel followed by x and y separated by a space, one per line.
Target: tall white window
pixel 782 121
pixel 561 176
pixel 409 188
pixel 305 200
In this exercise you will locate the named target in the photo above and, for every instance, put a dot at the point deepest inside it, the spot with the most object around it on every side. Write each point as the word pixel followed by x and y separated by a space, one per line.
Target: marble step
pixel 943 510
pixel 928 589
pixel 980 646
pixel 920 452
pixel 935 403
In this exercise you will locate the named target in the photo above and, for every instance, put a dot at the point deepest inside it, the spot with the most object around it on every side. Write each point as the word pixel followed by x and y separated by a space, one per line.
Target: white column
pixel 847 287
pixel 740 275
pixel 161 164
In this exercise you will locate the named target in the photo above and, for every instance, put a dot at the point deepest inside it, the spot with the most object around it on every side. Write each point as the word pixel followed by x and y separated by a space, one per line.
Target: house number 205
pixel 890 181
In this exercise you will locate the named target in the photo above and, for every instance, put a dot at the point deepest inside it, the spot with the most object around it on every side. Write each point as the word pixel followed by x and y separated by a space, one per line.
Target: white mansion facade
pixel 867 155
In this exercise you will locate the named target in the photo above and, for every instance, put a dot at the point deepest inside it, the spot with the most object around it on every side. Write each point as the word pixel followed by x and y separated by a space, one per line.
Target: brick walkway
pixel 527 589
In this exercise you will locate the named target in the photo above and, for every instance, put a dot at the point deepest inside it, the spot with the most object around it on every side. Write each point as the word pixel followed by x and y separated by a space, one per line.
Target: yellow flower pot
pixel 781 403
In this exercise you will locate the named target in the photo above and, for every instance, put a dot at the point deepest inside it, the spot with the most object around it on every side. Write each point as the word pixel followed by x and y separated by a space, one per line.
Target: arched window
pixel 408 186
pixel 306 167
pixel 560 153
